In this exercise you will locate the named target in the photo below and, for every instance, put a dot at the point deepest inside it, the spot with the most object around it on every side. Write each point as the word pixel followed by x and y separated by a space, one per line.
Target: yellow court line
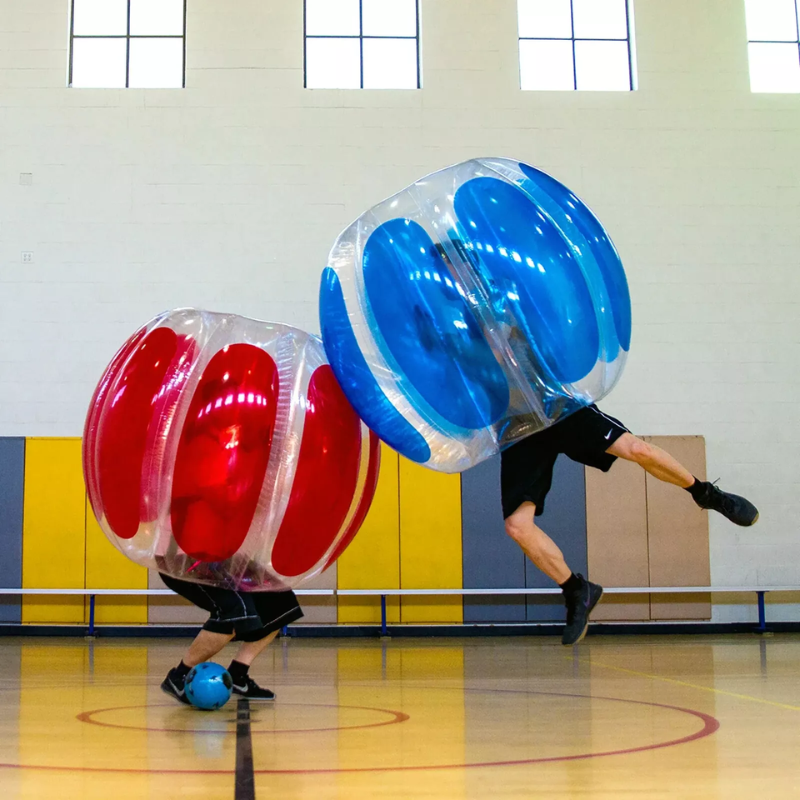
pixel 594 663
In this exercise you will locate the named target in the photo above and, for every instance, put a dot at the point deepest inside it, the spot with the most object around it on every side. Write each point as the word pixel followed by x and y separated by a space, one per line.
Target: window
pixel 362 44
pixel 566 45
pixel 116 44
pixel 773 45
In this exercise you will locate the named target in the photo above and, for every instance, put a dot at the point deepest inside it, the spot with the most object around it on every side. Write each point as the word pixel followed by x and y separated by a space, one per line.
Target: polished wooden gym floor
pixel 632 717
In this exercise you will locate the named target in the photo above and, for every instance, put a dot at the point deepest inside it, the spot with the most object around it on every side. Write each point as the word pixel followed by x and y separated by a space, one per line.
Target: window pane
pixel 773 20
pixel 332 18
pixel 390 63
pixel 544 19
pixel 602 66
pixel 333 64
pixel 774 68
pixel 98 63
pixel 600 19
pixel 389 17
pixel 157 17
pixel 156 64
pixel 546 65
pixel 100 18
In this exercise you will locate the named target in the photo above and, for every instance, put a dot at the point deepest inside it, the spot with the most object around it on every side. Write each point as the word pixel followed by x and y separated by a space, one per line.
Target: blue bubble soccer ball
pixel 479 305
pixel 208 686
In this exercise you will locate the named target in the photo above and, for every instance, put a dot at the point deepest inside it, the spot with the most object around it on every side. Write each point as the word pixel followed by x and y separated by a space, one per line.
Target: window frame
pixel 360 37
pixel 776 41
pixel 127 36
pixel 573 39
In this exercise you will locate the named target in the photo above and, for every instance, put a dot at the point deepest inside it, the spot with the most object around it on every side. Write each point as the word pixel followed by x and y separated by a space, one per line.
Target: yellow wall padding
pixel 677 535
pixel 107 568
pixel 430 542
pixel 54 529
pixel 372 561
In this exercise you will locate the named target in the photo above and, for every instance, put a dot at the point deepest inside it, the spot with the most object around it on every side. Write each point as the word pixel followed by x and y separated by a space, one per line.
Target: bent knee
pixel 521 528
pixel 632 449
pixel 519 524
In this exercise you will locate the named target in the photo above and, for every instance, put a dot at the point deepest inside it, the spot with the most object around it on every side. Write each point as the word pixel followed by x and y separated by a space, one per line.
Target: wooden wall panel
pixel 616 534
pixel 678 535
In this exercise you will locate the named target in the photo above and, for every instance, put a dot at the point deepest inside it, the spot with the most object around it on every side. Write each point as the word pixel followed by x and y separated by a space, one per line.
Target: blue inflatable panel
pixel 532 266
pixel 428 328
pixel 575 213
pixel 357 380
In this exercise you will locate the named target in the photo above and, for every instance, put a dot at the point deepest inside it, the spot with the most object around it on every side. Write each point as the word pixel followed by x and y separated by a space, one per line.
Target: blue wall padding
pixel 12 480
pixel 564 520
pixel 491 559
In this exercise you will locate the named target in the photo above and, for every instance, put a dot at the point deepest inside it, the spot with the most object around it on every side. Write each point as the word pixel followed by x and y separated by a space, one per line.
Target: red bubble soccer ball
pixel 221 450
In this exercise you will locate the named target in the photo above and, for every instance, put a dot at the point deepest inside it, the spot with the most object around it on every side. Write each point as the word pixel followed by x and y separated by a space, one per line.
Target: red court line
pixel 396 717
pixel 710 726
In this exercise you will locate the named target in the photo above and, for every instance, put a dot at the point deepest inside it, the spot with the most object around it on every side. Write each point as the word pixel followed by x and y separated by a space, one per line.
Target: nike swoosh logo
pixel 608 435
pixel 242 689
pixel 179 692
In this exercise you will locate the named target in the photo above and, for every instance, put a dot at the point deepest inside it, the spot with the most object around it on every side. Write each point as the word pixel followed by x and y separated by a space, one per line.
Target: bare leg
pixel 249 650
pixel 653 459
pixel 536 544
pixel 205 646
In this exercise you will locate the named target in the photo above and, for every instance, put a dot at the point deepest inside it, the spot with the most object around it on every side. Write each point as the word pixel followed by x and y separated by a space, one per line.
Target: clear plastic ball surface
pixel 221 450
pixel 476 307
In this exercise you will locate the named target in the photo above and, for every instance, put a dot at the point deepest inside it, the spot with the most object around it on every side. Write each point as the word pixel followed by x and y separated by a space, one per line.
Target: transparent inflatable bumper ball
pixel 478 306
pixel 221 450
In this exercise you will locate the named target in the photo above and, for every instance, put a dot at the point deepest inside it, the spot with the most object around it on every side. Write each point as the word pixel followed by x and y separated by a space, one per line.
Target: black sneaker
pixel 174 684
pixel 579 605
pixel 737 509
pixel 252 691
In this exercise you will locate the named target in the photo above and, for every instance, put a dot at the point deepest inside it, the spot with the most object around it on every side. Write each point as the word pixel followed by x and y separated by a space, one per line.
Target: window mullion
pixel 185 5
pixel 361 41
pixel 419 75
pixel 71 39
pixel 128 50
pixel 574 55
pixel 630 39
pixel 797 21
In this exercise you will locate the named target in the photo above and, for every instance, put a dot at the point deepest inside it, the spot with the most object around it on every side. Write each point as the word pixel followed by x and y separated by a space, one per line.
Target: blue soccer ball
pixel 208 686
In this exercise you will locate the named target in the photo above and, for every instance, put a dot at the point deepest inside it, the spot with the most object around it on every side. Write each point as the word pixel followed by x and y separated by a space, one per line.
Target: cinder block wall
pixel 229 193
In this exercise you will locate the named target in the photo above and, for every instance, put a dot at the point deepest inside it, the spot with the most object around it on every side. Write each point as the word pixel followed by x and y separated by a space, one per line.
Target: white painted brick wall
pixel 228 195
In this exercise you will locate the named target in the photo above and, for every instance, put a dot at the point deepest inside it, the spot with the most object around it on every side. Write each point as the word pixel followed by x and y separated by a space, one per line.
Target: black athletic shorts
pixel 250 615
pixel 527 467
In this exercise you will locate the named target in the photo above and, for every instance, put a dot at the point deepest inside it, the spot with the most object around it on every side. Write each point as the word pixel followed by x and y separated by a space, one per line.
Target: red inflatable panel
pixel 123 430
pixel 370 484
pixel 223 452
pixel 92 419
pixel 325 480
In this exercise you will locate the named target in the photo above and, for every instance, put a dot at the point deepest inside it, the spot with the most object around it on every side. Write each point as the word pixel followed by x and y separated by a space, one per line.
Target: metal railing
pixel 93 594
